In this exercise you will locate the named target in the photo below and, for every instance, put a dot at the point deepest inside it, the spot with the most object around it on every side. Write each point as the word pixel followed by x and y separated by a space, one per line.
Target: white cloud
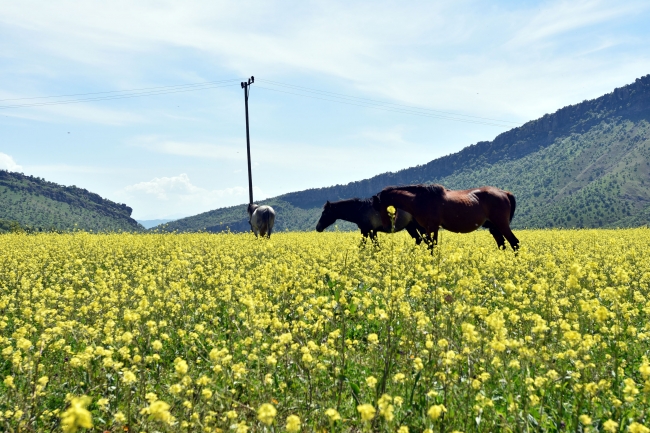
pixel 8 163
pixel 156 197
pixel 162 187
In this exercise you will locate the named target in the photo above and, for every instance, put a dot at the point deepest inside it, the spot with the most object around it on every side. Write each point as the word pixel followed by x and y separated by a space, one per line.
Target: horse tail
pixel 513 204
pixel 269 220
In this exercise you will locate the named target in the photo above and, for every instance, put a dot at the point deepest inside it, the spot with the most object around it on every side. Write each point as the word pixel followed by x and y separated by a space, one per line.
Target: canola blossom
pixel 316 332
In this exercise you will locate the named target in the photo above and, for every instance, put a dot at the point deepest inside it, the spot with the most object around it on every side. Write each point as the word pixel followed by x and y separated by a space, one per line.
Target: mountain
pixel 586 165
pixel 32 203
pixel 147 224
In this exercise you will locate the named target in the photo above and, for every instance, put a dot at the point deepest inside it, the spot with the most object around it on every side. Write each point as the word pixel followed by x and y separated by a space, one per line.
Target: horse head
pixel 381 207
pixel 327 218
pixel 376 202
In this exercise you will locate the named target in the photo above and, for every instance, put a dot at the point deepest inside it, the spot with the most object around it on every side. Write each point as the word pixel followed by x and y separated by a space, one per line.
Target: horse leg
pixel 512 239
pixel 504 230
pixel 496 234
pixel 373 237
pixel 414 234
pixel 364 238
pixel 432 241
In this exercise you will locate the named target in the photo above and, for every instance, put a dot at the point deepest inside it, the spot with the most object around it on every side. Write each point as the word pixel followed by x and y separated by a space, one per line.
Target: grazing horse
pixel 261 219
pixel 360 212
pixel 434 206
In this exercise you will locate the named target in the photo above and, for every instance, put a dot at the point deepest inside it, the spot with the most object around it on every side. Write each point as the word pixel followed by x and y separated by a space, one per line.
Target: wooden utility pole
pixel 246 86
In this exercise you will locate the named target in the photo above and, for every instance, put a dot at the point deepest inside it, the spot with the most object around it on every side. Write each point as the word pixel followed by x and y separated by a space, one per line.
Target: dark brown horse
pixel 360 212
pixel 434 206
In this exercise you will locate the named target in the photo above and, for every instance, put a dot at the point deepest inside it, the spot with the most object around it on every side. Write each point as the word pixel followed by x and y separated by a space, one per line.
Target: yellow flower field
pixel 311 332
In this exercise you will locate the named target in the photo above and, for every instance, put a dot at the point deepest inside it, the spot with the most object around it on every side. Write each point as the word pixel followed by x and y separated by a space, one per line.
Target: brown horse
pixel 434 206
pixel 360 212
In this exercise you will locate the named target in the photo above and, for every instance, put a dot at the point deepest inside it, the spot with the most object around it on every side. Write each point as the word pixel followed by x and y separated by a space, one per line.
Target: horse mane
pixel 361 202
pixel 434 189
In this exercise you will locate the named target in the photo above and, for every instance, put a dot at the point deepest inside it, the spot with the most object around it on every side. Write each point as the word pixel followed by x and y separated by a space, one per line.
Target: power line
pixel 126 90
pixel 315 94
pixel 163 90
pixel 395 110
pixel 376 102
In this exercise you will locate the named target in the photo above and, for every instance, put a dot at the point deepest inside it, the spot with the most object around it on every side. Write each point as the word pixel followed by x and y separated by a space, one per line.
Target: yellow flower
pixel 644 369
pixel 293 424
pixel 9 382
pixel 403 429
pixel 180 366
pixel 610 426
pixel 266 413
pixel 76 415
pixel 158 410
pixel 333 414
pixel 367 411
pixel 585 419
pixel 436 411
pixel 635 427
pixel 385 408
pixel 373 339
pixel 23 344
pixel 128 377
pixel 390 210
pixel 156 345
pixel 371 381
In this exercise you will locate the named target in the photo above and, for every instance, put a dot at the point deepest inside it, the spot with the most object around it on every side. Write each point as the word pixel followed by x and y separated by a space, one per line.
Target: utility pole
pixel 246 86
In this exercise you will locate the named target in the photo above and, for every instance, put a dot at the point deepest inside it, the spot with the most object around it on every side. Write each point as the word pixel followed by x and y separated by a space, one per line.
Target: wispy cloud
pixel 557 18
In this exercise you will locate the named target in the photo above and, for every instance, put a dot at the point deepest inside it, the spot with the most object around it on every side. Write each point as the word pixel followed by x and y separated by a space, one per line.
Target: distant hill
pixel 147 224
pixel 32 203
pixel 586 165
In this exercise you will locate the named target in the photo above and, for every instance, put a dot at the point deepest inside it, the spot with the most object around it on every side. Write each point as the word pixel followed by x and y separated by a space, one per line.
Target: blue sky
pixel 180 154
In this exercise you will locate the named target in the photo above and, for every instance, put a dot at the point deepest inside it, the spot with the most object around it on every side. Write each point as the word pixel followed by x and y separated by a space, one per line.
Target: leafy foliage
pixel 34 203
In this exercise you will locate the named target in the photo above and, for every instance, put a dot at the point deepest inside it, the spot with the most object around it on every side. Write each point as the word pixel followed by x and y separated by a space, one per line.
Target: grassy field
pixel 310 332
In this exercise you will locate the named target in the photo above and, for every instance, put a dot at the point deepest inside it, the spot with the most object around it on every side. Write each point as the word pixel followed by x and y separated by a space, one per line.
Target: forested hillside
pixel 32 203
pixel 586 165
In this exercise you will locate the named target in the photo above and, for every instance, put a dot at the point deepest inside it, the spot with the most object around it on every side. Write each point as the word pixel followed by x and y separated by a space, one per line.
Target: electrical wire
pixel 395 110
pixel 315 94
pixel 135 93
pixel 126 90
pixel 376 102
